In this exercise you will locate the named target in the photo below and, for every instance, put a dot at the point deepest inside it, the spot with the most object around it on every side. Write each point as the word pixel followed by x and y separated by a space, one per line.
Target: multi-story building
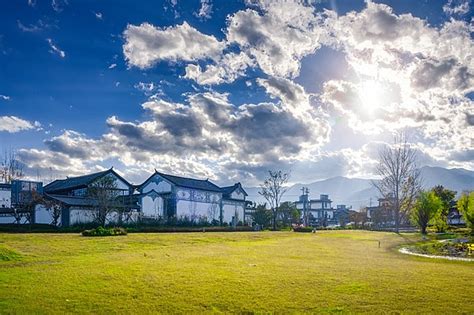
pixel 316 212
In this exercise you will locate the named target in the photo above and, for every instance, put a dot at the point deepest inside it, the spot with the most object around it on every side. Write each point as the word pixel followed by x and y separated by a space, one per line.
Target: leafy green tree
pixel 262 216
pixel 288 213
pixel 427 207
pixel 466 208
pixel 447 198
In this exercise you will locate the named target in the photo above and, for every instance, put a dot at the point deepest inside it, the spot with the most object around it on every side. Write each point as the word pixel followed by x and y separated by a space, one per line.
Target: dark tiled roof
pixel 188 182
pixel 74 201
pixel 122 201
pixel 7 186
pixel 227 190
pixel 78 182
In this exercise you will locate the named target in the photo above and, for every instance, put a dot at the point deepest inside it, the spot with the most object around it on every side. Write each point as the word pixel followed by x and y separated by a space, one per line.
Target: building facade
pixel 316 212
pixel 72 201
pixel 168 196
pixel 79 206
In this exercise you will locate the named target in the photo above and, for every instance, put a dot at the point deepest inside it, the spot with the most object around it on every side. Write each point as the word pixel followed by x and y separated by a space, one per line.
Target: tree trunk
pixel 423 229
pixel 274 219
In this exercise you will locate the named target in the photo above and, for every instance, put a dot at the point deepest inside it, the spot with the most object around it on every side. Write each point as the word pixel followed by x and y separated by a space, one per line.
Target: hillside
pixel 360 192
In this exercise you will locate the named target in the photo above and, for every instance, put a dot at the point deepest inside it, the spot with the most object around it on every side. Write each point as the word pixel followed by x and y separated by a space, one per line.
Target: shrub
pixel 303 229
pixel 101 231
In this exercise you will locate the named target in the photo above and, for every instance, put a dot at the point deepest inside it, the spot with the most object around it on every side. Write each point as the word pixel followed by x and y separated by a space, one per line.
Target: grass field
pixel 326 272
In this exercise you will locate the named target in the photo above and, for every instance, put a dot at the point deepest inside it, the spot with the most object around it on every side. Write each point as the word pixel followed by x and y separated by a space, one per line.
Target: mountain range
pixel 358 192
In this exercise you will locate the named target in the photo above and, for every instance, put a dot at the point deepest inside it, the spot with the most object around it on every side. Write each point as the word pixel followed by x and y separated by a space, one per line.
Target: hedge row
pixel 101 231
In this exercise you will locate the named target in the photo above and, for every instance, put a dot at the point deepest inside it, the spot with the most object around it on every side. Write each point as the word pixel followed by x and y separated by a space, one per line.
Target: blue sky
pixel 69 83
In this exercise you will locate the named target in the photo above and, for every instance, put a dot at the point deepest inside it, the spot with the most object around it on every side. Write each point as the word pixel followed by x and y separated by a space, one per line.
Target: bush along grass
pixel 303 229
pixel 101 231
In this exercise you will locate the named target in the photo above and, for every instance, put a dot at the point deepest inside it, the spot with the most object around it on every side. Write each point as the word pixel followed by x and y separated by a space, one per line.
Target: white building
pixel 162 196
pixel 168 196
pixel 316 212
pixel 79 208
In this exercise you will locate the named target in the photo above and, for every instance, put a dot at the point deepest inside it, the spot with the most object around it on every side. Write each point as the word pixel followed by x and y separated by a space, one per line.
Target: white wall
pixel 230 211
pixel 8 220
pixel 152 207
pixel 238 194
pixel 43 216
pixel 162 186
pixel 80 216
pixel 5 198
pixel 194 210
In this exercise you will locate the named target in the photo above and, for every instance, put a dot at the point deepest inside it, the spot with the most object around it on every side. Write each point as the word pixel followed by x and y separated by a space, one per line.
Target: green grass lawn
pixel 326 272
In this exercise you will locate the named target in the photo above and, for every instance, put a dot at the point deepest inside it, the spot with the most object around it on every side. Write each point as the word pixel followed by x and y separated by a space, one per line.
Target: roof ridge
pixel 202 180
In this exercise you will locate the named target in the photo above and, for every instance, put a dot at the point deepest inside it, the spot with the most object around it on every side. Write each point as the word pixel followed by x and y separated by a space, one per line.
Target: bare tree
pixel 54 208
pixel 400 177
pixel 273 189
pixel 104 193
pixel 10 167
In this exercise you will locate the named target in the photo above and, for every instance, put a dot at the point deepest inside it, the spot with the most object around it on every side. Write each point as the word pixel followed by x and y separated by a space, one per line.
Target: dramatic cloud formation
pixel 403 74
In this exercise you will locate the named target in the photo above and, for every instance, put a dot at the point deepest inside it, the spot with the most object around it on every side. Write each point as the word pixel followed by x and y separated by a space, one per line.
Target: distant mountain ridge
pixel 358 192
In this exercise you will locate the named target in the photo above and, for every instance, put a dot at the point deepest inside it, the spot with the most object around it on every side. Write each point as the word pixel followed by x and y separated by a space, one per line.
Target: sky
pixel 228 90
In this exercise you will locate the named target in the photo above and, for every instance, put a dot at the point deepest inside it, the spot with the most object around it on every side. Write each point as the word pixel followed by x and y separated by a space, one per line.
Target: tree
pixel 10 167
pixel 381 216
pixel 54 208
pixel 447 198
pixel 104 193
pixel 261 215
pixel 358 217
pixel 427 207
pixel 465 206
pixel 288 213
pixel 273 189
pixel 400 178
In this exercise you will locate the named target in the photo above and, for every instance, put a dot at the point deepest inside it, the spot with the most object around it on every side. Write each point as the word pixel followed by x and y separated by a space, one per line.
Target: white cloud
pixel 32 3
pixel 279 38
pixel 146 45
pixel 55 49
pixel 59 5
pixel 408 75
pixel 146 88
pixel 112 66
pixel 98 15
pixel 4 97
pixel 32 28
pixel 205 135
pixel 12 124
pixel 205 11
pixel 457 7
pixel 226 70
pixel 404 74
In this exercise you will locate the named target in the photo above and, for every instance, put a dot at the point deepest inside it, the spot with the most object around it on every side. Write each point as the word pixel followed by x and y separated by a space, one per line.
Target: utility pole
pixel 305 192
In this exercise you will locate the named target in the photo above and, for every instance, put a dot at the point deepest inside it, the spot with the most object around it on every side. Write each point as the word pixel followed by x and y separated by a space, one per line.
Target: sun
pixel 371 94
